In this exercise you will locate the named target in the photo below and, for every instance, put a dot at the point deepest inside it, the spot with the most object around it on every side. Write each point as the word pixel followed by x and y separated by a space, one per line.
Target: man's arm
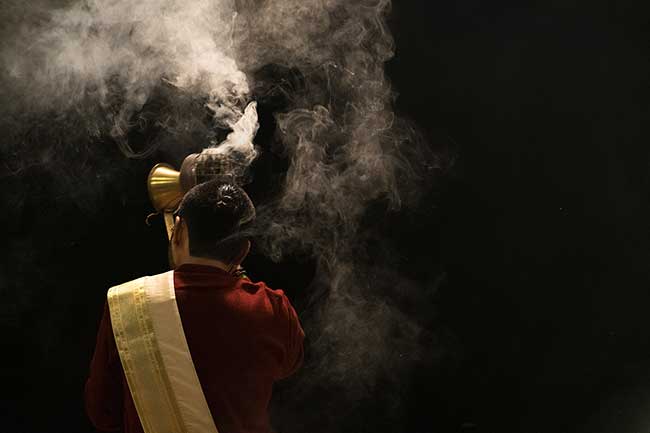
pixel 294 343
pixel 103 392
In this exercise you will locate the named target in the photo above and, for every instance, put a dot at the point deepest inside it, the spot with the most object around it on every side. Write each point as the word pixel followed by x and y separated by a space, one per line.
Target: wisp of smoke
pixel 106 60
pixel 113 54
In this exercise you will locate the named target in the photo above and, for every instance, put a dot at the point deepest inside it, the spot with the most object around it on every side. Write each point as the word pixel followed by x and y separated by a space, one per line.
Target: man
pixel 242 336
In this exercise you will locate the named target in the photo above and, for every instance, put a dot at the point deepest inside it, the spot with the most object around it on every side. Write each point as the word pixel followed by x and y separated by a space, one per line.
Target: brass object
pixel 167 186
pixel 169 223
pixel 165 192
pixel 164 187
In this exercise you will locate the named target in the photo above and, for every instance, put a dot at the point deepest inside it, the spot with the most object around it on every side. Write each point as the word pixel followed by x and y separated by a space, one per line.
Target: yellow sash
pixel 155 357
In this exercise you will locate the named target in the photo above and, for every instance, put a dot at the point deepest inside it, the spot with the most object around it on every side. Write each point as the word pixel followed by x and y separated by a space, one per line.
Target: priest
pixel 196 349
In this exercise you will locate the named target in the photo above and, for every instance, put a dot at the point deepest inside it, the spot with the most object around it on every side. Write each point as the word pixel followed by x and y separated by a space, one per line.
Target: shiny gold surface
pixel 164 187
pixel 169 223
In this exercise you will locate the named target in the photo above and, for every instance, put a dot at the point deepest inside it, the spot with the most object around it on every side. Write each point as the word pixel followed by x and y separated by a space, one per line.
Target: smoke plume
pixel 192 70
pixel 109 57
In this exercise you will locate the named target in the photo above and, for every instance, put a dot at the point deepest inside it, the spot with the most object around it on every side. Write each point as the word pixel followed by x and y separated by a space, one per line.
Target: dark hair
pixel 215 213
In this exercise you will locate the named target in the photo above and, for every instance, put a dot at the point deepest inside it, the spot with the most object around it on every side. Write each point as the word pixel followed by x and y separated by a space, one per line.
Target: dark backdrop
pixel 540 229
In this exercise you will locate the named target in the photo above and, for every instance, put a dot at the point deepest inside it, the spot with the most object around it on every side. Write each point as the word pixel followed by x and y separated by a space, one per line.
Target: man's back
pixel 243 336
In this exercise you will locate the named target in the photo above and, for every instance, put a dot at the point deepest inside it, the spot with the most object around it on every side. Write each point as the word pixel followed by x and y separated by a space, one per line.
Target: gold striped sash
pixel 155 357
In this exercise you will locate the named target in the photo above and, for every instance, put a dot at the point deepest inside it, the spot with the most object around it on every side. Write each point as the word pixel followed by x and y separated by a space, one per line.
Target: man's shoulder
pixel 275 297
pixel 261 288
pixel 135 283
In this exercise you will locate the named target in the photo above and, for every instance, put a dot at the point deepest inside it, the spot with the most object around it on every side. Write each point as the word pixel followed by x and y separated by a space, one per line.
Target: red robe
pixel 243 336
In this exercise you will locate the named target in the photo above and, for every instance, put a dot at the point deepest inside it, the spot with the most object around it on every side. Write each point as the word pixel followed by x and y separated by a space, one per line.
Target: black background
pixel 541 229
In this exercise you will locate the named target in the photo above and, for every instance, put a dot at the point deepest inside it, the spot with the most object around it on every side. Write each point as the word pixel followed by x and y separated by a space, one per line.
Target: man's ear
pixel 179 231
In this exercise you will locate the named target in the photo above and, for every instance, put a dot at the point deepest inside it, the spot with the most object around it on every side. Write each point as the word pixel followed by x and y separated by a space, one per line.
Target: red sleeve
pixel 103 392
pixel 294 341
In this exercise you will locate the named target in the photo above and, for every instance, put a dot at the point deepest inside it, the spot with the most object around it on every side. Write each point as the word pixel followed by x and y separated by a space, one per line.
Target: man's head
pixel 208 225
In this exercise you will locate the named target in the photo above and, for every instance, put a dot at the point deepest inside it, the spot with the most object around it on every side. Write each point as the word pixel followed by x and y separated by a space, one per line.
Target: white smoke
pixel 240 140
pixel 115 52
